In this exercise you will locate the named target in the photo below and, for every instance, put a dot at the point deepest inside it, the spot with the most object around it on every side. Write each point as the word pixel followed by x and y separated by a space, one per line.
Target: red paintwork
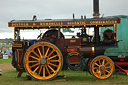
pixel 72 50
pixel 122 63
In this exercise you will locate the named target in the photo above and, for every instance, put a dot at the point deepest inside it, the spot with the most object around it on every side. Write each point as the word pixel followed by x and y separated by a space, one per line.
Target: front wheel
pixel 43 61
pixel 102 67
pixel 88 64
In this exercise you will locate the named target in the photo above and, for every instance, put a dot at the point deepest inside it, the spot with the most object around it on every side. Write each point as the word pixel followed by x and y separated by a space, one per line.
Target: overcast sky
pixel 53 9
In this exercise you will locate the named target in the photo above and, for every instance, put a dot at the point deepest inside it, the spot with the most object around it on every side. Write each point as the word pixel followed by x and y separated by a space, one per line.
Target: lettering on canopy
pixel 62 23
pixel 104 22
pixel 69 23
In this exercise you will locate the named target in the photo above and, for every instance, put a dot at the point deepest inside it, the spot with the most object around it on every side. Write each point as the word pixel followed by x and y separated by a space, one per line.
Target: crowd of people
pixel 5 52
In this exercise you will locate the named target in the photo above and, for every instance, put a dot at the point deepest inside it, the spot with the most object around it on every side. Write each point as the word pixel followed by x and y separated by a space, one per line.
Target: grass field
pixel 73 78
pixel 5 61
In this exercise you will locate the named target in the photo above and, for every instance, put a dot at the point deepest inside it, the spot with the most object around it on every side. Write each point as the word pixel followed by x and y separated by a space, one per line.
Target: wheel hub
pixel 43 61
pixel 102 67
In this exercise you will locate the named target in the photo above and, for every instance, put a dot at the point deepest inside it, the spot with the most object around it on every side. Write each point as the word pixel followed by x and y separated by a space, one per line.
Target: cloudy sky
pixel 53 9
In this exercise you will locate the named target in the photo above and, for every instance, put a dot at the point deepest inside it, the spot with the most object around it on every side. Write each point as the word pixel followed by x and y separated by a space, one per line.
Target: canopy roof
pixel 64 22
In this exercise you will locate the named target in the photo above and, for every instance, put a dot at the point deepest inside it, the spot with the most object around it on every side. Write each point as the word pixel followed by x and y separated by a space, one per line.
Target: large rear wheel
pixel 43 61
pixel 102 67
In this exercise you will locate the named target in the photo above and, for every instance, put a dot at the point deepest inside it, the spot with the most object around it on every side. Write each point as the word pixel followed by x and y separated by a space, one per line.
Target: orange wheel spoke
pixel 53 64
pixel 104 73
pixel 51 68
pixel 52 57
pixel 97 64
pixel 107 67
pixel 103 62
pixel 99 61
pixel 35 69
pixel 43 71
pixel 54 60
pixel 96 68
pixel 36 54
pixel 39 52
pixel 40 70
pixel 50 53
pixel 43 50
pixel 47 70
pixel 34 57
pixel 34 65
pixel 107 71
pixel 46 52
pixel 100 74
pixel 33 61
pixel 107 63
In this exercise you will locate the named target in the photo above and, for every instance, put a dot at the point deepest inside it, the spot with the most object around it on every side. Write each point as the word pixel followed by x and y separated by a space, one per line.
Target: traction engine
pixel 45 57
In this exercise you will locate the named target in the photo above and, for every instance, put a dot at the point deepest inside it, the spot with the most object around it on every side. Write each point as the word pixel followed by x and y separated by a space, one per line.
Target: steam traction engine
pixel 44 58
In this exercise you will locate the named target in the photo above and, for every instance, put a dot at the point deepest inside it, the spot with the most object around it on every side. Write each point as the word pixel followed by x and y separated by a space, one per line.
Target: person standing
pixel 0 72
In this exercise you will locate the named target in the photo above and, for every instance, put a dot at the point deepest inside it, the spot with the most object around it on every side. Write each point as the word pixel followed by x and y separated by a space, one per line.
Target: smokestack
pixel 96 13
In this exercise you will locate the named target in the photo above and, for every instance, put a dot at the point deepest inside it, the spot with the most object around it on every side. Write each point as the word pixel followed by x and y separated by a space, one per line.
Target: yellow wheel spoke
pixel 35 70
pixel 54 60
pixel 97 64
pixel 34 57
pixel 40 70
pixel 53 64
pixel 43 71
pixel 33 61
pixel 36 54
pixel 34 65
pixel 51 68
pixel 47 70
pixel 46 53
pixel 39 52
pixel 50 53
pixel 52 57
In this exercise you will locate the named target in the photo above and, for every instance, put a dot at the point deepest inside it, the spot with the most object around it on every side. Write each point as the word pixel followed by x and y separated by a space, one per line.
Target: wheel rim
pixel 43 61
pixel 102 68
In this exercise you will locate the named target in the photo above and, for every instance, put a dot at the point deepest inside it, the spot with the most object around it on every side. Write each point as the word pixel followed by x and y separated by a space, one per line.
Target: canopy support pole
pixel 59 32
pixel 116 32
pixel 14 34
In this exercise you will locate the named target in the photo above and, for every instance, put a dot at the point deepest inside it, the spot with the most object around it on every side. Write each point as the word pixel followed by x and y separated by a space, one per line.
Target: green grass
pixel 5 61
pixel 73 78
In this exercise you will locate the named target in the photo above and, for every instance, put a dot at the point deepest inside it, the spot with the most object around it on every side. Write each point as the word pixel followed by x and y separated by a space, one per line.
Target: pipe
pixel 96 14
pixel 97 37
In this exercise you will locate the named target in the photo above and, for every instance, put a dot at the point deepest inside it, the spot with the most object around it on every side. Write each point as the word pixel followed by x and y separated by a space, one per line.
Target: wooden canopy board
pixel 63 23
